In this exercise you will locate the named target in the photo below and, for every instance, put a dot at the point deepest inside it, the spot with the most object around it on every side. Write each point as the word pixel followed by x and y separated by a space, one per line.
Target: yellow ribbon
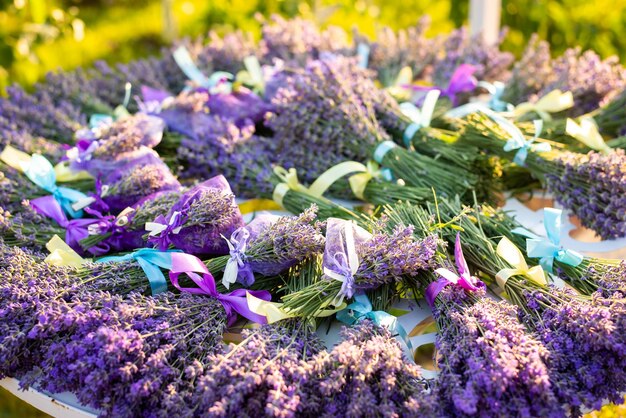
pixel 512 255
pixel 274 312
pixel 553 102
pixel 20 161
pixel 319 187
pixel 256 205
pixel 397 89
pixel 587 133
pixel 62 254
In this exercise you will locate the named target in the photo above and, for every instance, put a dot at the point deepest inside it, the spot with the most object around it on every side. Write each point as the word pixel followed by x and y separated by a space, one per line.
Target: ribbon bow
pixel 234 302
pixel 341 261
pixel 236 265
pixel 553 102
pixel 587 133
pixel 496 91
pixel 512 255
pixel 62 254
pixel 274 312
pixel 419 118
pixel 518 142
pixel 160 230
pixel 101 120
pixel 190 69
pixel 41 172
pixel 361 309
pixel 252 75
pixel 75 229
pixel 358 182
pixel 548 250
pixel 462 81
pixel 151 261
pixel 462 277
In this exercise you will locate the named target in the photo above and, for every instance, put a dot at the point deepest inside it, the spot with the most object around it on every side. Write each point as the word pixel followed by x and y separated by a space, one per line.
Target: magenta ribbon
pixel 234 302
pixel 462 81
pixel 464 279
pixel 75 229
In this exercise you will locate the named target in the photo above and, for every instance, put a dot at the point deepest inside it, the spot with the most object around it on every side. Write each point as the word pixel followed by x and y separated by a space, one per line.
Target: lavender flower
pixel 587 351
pixel 39 116
pixel 297 41
pixel 460 48
pixel 490 365
pixel 366 374
pixel 197 222
pixel 264 375
pixel 391 51
pixel 27 228
pixel 15 187
pixel 531 73
pixel 227 53
pixel 612 283
pixel 592 187
pixel 592 81
pixel 133 182
pixel 386 258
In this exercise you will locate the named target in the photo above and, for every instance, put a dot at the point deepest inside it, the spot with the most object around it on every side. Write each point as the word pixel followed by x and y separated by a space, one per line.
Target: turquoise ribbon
pixel 98 120
pixel 496 90
pixel 549 249
pixel 518 140
pixel 151 261
pixel 41 172
pixel 361 309
pixel 382 149
pixel 420 118
pixel 363 54
pixel 190 69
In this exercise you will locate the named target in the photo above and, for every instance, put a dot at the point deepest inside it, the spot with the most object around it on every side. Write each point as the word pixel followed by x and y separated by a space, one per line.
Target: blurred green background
pixel 37 36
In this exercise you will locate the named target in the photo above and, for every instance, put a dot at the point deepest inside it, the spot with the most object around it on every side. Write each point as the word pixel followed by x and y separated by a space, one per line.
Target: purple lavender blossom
pixel 587 350
pixel 592 186
pixel 490 365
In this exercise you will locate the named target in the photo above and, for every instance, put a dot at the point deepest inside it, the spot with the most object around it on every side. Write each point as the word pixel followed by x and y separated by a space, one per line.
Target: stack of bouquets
pixel 141 329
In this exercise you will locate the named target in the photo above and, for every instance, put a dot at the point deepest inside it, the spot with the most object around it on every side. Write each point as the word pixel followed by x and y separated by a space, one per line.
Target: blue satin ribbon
pixel 41 172
pixel 382 149
pixel 361 309
pixel 151 261
pixel 98 120
pixel 496 90
pixel 363 54
pixel 185 63
pixel 420 118
pixel 549 249
pixel 518 140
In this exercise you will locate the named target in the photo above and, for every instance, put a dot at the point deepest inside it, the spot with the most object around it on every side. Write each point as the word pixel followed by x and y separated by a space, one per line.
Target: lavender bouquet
pixel 320 106
pixel 267 246
pixel 588 185
pixel 103 150
pixel 355 260
pixel 125 231
pixel 129 184
pixel 196 223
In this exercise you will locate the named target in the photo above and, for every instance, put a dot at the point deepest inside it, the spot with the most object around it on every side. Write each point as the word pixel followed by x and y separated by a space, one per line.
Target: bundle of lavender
pixel 355 260
pixel 319 106
pixel 268 246
pixel 198 220
pixel 558 318
pixel 104 149
pixel 125 231
pixel 588 185
pixel 485 355
pixel 129 184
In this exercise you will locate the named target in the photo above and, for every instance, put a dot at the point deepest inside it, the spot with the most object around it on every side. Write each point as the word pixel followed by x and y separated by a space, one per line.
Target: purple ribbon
pixel 234 302
pixel 462 81
pixel 464 279
pixel 169 226
pixel 75 229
